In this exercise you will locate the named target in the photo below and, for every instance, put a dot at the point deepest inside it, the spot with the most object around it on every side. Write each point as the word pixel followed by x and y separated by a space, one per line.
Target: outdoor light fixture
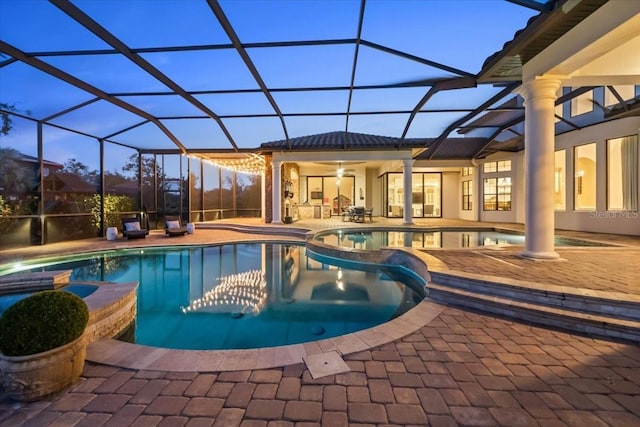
pixel 253 164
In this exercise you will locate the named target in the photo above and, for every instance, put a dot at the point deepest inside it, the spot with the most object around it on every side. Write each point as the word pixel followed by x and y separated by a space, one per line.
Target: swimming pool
pixel 248 295
pixel 373 239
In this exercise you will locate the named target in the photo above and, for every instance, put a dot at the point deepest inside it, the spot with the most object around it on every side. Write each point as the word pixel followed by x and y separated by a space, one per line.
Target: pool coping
pixel 122 354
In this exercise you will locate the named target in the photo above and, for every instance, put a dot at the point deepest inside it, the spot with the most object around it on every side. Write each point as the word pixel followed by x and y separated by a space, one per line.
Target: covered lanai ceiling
pixel 225 77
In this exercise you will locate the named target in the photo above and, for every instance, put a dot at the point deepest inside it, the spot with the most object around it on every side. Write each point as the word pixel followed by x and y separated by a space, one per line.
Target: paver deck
pixel 462 368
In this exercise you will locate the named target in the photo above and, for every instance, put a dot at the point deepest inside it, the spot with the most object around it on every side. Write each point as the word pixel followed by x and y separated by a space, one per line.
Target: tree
pixel 5 118
pixel 78 168
pixel 6 123
pixel 113 205
pixel 16 179
pixel 148 168
pixel 75 167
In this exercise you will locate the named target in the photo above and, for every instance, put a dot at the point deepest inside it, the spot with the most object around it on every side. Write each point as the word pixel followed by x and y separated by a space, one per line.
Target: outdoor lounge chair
pixel 173 226
pixel 131 228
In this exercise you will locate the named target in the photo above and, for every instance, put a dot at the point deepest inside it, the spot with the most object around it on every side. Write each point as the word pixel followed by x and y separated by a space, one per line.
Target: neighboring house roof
pixel 71 183
pixel 129 187
pixel 30 159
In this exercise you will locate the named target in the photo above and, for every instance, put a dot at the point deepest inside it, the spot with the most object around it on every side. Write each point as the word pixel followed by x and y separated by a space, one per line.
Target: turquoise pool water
pixel 81 290
pixel 248 295
pixel 373 239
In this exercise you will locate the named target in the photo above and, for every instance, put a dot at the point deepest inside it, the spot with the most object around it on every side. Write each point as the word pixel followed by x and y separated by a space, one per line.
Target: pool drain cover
pixel 323 364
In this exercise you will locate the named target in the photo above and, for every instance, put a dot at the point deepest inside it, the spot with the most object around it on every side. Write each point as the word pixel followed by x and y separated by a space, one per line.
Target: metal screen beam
pixel 235 40
pixel 87 22
pixel 417 59
pixel 440 139
pixel 363 3
pixel 81 84
pixel 455 83
pixel 532 4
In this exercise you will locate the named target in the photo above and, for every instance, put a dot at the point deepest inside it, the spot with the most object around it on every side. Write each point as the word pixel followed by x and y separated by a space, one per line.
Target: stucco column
pixel 276 193
pixel 539 144
pixel 407 217
pixel 263 191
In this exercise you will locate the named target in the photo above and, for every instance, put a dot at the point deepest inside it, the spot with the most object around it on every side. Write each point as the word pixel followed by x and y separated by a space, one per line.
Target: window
pixel 497 194
pixel 504 193
pixel 499 166
pixel 426 197
pixel 625 91
pixel 582 103
pixel 489 167
pixel 490 189
pixel 467 193
pixel 467 171
pixel 584 166
pixel 559 179
pixel 504 166
pixel 622 173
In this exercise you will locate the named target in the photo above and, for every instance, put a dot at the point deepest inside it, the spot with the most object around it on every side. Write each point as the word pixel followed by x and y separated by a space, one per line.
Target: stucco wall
pixel 600 220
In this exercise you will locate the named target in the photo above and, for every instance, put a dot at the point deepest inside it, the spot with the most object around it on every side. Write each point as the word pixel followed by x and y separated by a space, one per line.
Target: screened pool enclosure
pixel 155 108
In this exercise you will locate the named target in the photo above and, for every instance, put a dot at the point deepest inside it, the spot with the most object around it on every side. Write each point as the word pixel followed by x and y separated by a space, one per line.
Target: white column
pixel 539 144
pixel 263 191
pixel 407 218
pixel 276 193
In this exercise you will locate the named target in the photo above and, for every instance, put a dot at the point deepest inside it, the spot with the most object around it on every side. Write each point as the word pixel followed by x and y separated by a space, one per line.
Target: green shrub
pixel 41 322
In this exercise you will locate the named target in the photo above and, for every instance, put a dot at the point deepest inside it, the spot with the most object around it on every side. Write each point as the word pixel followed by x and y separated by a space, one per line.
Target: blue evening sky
pixel 458 33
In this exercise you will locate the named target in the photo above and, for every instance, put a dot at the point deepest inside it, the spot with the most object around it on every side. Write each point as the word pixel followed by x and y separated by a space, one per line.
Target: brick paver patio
pixel 463 368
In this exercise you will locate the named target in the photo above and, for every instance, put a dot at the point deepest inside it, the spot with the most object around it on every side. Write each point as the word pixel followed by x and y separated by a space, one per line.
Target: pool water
pixel 249 295
pixel 370 239
pixel 80 290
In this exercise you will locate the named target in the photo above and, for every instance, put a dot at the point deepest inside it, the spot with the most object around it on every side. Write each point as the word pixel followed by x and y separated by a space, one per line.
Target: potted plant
pixel 42 344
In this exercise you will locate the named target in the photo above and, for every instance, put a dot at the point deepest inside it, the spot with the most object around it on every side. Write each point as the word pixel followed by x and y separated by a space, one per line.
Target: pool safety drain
pixel 323 364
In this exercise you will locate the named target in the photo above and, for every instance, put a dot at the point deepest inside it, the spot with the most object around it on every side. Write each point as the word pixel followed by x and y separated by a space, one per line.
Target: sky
pixel 460 34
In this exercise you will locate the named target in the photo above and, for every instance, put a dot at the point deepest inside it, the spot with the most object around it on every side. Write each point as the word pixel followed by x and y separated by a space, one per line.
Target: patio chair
pixel 346 213
pixel 358 214
pixel 173 226
pixel 369 213
pixel 131 228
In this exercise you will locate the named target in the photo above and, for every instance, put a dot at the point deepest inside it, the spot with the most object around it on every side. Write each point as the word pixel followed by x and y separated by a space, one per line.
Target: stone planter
pixel 27 378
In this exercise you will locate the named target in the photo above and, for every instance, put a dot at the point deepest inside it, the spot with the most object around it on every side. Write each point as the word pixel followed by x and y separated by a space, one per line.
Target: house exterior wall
pixel 451 195
pixel 600 220
pixel 472 214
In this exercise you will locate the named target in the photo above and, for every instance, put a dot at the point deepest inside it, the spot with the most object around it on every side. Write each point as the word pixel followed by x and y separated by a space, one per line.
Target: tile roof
pixel 451 148
pixel 339 140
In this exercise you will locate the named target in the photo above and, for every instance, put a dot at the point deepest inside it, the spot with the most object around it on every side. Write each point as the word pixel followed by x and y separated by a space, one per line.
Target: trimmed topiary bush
pixel 41 322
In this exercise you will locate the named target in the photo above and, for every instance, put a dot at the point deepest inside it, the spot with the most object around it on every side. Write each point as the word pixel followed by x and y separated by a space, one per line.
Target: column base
pixel 276 222
pixel 551 255
pixel 407 222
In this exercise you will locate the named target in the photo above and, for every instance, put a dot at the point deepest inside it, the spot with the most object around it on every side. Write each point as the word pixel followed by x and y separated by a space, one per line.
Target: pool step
pixel 597 313
pixel 33 281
